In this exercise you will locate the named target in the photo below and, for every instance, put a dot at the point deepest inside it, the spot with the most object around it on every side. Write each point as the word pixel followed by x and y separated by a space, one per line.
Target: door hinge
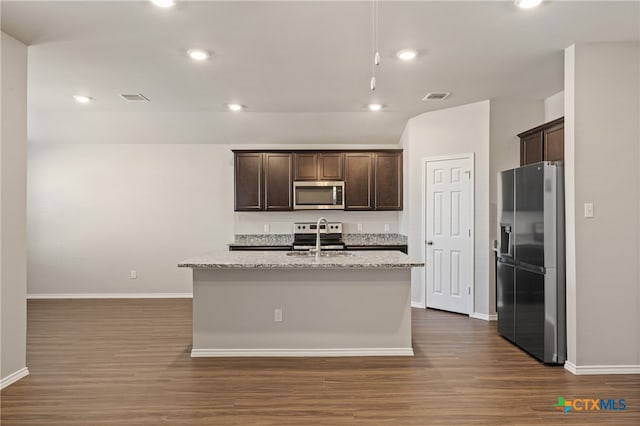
pixel 468 173
pixel 469 290
pixel 469 231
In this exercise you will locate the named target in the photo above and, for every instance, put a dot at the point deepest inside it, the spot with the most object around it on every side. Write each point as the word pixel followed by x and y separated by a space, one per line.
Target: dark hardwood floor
pixel 126 362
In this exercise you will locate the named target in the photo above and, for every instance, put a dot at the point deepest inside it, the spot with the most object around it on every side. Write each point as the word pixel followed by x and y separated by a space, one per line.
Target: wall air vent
pixel 436 96
pixel 139 97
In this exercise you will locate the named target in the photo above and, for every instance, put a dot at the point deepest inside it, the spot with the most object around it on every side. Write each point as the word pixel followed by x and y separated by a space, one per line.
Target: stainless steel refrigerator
pixel 530 268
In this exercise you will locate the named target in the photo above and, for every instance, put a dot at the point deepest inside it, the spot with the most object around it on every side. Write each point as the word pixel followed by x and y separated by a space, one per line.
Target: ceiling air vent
pixel 436 96
pixel 139 97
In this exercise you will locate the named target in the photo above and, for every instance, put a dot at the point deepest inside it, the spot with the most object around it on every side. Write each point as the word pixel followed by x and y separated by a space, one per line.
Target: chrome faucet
pixel 326 228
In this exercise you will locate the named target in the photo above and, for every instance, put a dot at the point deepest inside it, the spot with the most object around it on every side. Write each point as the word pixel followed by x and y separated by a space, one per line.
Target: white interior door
pixel 448 239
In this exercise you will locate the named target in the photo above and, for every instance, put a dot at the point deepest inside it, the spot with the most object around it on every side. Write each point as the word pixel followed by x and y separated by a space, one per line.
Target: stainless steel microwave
pixel 327 195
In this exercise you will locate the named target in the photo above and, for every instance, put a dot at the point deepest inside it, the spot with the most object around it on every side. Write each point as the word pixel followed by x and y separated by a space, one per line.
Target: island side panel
pixel 325 312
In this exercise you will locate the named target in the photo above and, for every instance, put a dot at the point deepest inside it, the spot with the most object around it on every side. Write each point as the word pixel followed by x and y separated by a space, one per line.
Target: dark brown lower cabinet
pixel 403 248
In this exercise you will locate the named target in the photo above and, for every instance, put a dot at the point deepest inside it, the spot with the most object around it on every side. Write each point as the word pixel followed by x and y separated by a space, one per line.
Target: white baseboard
pixel 418 305
pixel 197 353
pixel 14 377
pixel 580 370
pixel 477 315
pixel 109 296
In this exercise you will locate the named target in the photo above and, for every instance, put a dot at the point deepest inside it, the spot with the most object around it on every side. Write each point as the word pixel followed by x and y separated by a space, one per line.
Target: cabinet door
pixel 531 149
pixel 388 181
pixel 330 166
pixel 554 143
pixel 306 166
pixel 358 173
pixel 248 182
pixel 277 179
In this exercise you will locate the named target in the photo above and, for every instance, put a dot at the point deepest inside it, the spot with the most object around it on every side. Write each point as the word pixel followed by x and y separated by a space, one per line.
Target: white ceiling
pixel 293 57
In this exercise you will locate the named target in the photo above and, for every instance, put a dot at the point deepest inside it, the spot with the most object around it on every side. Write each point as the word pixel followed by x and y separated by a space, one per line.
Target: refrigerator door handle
pixel 510 243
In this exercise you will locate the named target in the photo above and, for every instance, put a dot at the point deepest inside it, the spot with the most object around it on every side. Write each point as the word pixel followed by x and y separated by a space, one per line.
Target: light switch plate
pixel 588 209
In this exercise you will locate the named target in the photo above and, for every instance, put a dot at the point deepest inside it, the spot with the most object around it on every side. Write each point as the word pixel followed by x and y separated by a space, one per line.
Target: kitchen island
pixel 275 304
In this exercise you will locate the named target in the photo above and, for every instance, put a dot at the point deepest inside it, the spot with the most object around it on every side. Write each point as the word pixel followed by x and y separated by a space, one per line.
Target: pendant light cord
pixel 375 23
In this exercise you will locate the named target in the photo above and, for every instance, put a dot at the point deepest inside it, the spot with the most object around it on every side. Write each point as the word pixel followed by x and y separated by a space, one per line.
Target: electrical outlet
pixel 588 209
pixel 359 227
pixel 277 315
pixel 266 227
pixel 134 274
pixel 386 227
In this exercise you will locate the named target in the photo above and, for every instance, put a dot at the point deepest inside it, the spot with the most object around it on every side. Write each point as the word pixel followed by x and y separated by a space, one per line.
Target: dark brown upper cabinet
pixel 277 181
pixel 388 181
pixel 248 181
pixel 543 143
pixel 306 166
pixel 264 180
pixel 318 166
pixel 330 166
pixel 358 181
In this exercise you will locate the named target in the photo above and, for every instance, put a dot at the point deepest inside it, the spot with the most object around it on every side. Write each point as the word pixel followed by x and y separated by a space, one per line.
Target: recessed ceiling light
pixel 82 99
pixel 198 54
pixel 527 4
pixel 375 107
pixel 163 3
pixel 407 54
pixel 234 107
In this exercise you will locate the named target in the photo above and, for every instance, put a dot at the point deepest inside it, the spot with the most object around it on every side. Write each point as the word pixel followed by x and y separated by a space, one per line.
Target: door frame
pixel 470 156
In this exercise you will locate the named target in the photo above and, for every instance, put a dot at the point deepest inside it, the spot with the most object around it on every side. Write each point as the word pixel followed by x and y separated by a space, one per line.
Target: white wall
pixel 281 222
pixel 554 107
pixel 13 240
pixel 98 211
pixel 507 119
pixel 602 106
pixel 458 130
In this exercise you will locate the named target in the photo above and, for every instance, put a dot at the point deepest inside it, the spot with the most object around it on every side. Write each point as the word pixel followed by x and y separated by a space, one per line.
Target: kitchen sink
pixel 328 253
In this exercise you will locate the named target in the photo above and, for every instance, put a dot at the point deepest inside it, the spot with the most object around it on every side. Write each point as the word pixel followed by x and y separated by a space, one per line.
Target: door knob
pixel 429 243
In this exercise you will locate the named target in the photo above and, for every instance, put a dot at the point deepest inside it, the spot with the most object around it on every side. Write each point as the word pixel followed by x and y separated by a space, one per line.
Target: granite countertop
pixel 239 259
pixel 275 240
pixel 374 239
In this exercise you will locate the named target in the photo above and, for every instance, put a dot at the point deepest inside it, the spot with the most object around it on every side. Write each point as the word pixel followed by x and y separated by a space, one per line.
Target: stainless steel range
pixel 304 236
